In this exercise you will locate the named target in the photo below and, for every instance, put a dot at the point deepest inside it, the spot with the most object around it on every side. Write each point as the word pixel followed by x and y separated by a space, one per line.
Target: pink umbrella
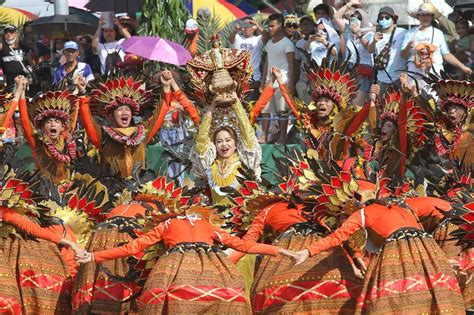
pixel 158 49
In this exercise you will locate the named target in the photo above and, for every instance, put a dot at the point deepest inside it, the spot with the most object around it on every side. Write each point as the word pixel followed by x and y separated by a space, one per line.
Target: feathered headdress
pixel 121 91
pixel 415 123
pixel 451 91
pixel 57 104
pixel 332 79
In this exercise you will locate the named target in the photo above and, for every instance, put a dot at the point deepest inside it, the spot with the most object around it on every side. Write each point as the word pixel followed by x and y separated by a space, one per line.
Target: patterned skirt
pixel 194 278
pixel 453 251
pixel 410 275
pixel 110 287
pixel 34 278
pixel 323 284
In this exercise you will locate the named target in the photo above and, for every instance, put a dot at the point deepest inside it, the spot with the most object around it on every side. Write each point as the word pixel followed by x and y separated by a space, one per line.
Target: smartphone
pixel 378 29
pixel 108 19
pixel 245 25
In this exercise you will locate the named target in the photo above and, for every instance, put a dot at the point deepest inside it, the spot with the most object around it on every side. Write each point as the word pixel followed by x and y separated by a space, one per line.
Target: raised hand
pixel 301 256
pixel 374 92
pixel 276 73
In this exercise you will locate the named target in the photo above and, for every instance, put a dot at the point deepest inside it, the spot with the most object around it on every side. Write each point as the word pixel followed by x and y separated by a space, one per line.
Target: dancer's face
pixel 324 107
pixel 122 116
pixel 456 114
pixel 53 127
pixel 387 130
pixel 225 144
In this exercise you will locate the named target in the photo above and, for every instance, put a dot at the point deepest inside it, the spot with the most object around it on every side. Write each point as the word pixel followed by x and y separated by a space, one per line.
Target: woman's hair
pixel 230 130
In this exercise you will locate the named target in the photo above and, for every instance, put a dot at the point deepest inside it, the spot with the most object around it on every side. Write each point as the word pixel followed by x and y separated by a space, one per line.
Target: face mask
pixel 385 23
pixel 355 21
pixel 10 42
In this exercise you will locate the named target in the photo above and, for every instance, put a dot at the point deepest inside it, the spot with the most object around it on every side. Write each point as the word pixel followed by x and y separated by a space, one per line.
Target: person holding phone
pixel 387 44
pixel 357 34
pixel 244 36
pixel 109 50
pixel 325 38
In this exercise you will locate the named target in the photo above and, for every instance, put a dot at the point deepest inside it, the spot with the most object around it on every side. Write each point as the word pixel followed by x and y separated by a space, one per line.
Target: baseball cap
pixel 387 10
pixel 10 27
pixel 191 26
pixel 71 45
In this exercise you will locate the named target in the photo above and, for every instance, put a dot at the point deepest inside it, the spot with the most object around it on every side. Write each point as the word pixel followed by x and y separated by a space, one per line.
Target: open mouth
pixel 53 131
pixel 124 120
pixel 224 150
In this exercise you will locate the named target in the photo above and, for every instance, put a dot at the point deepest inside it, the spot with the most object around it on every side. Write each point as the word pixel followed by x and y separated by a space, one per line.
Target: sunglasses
pixel 384 17
pixel 425 14
pixel 356 17
pixel 292 25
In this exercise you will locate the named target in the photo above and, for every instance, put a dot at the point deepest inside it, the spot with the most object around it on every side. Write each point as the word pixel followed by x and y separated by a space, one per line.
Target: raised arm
pixel 262 101
pixel 246 129
pixel 183 100
pixel 20 82
pixel 28 128
pixel 93 130
pixel 203 139
pixel 133 247
pixel 96 37
pixel 288 99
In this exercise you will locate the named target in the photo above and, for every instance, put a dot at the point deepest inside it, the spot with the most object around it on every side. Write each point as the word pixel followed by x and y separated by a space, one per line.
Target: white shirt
pixel 109 48
pixel 253 44
pixel 276 56
pixel 354 43
pixel 396 62
pixel 429 35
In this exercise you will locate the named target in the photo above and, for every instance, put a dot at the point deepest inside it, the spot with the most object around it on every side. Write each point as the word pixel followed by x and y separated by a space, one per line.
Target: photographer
pixel 72 68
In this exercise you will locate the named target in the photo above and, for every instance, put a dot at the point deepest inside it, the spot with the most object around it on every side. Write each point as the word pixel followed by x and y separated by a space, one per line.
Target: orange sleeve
pixel 26 123
pixel 428 206
pixel 9 116
pixel 92 130
pixel 241 245
pixel 253 234
pixel 289 101
pixel 161 117
pixel 74 114
pixel 349 227
pixel 261 102
pixel 20 221
pixel 66 252
pixel 133 247
pixel 182 99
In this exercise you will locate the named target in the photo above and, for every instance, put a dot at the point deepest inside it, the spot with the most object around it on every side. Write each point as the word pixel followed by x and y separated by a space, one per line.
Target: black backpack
pixel 111 62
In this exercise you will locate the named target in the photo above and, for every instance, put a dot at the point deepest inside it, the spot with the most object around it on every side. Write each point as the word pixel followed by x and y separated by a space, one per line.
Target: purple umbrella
pixel 158 49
